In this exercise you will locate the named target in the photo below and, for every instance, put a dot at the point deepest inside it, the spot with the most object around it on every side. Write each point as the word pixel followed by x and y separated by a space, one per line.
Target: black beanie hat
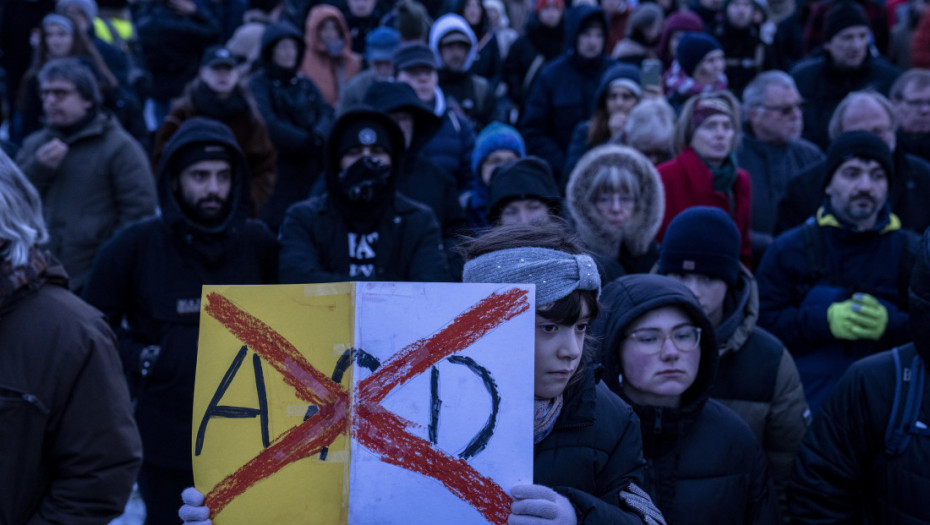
pixel 692 48
pixel 858 144
pixel 200 151
pixel 703 240
pixel 844 14
pixel 363 132
pixel 527 178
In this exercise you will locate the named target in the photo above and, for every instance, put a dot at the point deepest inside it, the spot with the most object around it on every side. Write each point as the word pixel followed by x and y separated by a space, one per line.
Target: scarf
pixel 724 175
pixel 14 278
pixel 209 103
pixel 546 412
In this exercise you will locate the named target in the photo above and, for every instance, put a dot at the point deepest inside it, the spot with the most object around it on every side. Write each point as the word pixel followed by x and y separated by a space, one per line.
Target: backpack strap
pixel 908 396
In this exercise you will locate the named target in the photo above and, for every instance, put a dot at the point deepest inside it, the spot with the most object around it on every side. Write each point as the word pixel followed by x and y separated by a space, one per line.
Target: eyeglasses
pixel 651 340
pixel 784 109
pixel 609 198
pixel 56 93
pixel 916 103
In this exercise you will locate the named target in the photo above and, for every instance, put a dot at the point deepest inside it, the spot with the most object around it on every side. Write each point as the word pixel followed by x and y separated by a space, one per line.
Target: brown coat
pixel 328 73
pixel 251 135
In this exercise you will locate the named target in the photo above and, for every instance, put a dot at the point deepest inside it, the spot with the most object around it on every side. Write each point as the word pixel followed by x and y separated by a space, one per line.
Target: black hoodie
pixel 151 273
pixel 703 464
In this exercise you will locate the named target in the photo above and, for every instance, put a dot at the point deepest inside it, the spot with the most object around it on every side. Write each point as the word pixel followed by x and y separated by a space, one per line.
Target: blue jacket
pixel 563 94
pixel 795 297
pixel 451 146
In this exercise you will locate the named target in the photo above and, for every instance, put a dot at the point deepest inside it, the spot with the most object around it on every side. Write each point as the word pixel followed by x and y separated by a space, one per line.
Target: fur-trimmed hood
pixel 596 233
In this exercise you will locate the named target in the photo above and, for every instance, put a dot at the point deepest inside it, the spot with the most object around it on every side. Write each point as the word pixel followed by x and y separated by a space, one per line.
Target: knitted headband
pixel 555 273
pixel 706 108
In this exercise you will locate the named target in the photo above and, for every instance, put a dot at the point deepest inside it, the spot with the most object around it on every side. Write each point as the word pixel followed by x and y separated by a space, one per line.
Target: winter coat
pixel 771 167
pixel 469 92
pixel 632 248
pixel 592 453
pixel 451 147
pixel 757 379
pixel 315 244
pixel 103 183
pixel 703 464
pixel 562 95
pixel 795 297
pixel 689 182
pixel 298 120
pixel 539 41
pixel 247 126
pixel 842 474
pixel 911 182
pixel 746 54
pixel 823 86
pixel 151 274
pixel 71 448
pixel 173 44
pixel 329 74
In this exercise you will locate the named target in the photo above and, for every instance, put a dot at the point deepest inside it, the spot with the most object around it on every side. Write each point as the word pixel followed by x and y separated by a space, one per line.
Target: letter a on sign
pixel 359 403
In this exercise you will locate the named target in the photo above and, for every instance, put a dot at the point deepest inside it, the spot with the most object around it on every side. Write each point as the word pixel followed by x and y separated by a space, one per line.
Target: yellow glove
pixel 861 317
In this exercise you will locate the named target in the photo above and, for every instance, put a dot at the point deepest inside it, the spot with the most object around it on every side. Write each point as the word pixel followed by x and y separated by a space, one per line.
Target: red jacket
pixel 688 182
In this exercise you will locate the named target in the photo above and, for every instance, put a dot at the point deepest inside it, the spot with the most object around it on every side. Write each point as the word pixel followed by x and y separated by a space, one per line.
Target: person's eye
pixel 684 335
pixel 581 327
pixel 549 328
pixel 646 338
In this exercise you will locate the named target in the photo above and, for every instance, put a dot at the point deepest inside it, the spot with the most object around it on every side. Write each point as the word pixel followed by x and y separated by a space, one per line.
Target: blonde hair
pixel 684 131
pixel 613 178
pixel 21 223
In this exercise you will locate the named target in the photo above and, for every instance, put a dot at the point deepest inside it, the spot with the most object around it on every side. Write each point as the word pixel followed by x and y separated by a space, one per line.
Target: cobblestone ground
pixel 135 511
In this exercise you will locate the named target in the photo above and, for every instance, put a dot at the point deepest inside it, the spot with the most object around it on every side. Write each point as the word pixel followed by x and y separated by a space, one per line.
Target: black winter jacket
pixel 592 453
pixel 703 464
pixel 152 272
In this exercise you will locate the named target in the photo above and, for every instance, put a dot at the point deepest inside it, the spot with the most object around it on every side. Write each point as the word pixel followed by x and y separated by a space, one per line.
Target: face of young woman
pixel 713 139
pixel 58 41
pixel 658 363
pixel 558 353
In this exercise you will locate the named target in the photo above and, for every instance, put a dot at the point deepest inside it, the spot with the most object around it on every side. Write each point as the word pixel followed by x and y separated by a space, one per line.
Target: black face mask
pixel 365 180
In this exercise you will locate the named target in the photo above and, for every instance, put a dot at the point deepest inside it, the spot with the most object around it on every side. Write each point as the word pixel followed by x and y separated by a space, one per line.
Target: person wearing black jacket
pixel 844 473
pixel 540 42
pixel 362 228
pixel 295 114
pixel 147 281
pixel 703 464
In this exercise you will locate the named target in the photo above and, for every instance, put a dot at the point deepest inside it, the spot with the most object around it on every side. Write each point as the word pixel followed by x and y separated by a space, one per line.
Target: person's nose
pixel 570 346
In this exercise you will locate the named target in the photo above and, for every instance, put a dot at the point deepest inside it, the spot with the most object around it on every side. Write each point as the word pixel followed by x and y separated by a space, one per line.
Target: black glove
pixel 365 180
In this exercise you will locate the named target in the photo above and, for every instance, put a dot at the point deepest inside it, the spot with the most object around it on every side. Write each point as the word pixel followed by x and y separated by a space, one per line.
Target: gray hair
pixel 754 94
pixel 21 223
pixel 835 126
pixel 73 70
pixel 652 122
pixel 920 77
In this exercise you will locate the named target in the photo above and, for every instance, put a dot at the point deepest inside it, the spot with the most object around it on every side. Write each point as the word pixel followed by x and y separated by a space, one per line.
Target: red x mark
pixel 381 431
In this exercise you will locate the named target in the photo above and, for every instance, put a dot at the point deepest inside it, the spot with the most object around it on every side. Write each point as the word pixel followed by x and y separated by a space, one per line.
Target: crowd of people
pixel 735 192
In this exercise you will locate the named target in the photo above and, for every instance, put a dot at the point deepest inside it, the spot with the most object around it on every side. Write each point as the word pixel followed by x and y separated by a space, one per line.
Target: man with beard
pixel 835 288
pixel 362 229
pixel 147 281
pixel 217 94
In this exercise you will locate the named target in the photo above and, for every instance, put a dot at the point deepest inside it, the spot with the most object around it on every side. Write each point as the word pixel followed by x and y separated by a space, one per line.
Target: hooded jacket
pixel 71 448
pixel 420 179
pixel 703 465
pixel 757 379
pixel 315 233
pixel 329 73
pixel 632 246
pixel 297 118
pixel 794 297
pixel 472 93
pixel 538 40
pixel 842 474
pixel 152 272
pixel 563 93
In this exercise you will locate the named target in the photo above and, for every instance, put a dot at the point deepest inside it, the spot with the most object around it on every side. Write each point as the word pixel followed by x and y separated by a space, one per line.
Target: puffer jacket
pixel 703 464
pixel 451 147
pixel 472 93
pixel 794 297
pixel 103 183
pixel 757 379
pixel 71 447
pixel 592 453
pixel 843 474
pixel 631 249
pixel 151 273
pixel 563 94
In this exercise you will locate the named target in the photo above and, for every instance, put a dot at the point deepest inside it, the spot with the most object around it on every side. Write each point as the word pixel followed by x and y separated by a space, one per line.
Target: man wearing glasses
pixel 756 376
pixel 772 150
pixel 910 96
pixel 93 177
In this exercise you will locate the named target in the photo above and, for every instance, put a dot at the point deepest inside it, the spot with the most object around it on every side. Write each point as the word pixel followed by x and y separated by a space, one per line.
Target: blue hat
pixel 496 136
pixel 703 240
pixel 381 43
pixel 692 48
